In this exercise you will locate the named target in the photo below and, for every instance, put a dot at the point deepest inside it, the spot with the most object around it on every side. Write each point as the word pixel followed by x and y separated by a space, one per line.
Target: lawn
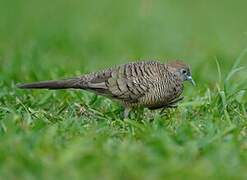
pixel 78 135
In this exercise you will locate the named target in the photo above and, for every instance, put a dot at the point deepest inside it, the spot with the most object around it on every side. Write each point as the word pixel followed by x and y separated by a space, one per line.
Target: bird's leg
pixel 126 112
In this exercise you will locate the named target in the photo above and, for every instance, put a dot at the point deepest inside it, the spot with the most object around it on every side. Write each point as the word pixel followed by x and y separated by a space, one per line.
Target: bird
pixel 148 84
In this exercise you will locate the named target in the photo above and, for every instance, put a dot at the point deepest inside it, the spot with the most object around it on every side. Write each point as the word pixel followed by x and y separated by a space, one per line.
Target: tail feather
pixel 60 84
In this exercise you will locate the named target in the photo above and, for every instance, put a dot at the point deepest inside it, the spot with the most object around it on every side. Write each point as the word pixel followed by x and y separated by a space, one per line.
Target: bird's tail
pixel 75 83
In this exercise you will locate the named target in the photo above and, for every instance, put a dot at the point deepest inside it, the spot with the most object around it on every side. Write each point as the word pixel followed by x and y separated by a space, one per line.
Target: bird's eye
pixel 184 71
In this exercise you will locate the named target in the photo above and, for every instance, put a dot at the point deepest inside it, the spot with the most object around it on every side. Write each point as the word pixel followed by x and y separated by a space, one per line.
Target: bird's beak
pixel 190 79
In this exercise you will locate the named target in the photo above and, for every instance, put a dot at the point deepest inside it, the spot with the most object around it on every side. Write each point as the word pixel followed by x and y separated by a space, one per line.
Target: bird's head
pixel 182 70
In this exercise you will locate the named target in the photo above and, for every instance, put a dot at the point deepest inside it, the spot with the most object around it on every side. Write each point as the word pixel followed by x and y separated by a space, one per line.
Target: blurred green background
pixel 42 40
pixel 89 35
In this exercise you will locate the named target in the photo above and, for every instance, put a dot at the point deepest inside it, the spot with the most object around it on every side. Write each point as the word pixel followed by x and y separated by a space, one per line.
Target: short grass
pixel 77 135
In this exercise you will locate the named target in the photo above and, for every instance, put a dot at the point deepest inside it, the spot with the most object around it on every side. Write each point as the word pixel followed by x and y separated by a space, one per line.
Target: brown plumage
pixel 148 83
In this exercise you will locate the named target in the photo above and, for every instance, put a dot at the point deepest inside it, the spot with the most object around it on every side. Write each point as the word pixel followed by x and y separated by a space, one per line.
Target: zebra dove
pixel 148 84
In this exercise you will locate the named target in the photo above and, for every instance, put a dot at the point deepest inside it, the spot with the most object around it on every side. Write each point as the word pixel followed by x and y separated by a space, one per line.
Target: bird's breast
pixel 162 93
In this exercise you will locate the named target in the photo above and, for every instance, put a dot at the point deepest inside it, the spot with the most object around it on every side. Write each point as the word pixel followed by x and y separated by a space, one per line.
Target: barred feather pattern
pixel 147 84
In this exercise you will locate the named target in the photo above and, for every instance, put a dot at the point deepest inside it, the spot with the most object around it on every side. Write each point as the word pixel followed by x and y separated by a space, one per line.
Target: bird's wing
pixel 126 89
pixel 131 81
pixel 126 82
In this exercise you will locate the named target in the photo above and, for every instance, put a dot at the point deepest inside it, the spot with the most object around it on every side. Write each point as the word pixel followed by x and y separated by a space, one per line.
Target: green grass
pixel 77 135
